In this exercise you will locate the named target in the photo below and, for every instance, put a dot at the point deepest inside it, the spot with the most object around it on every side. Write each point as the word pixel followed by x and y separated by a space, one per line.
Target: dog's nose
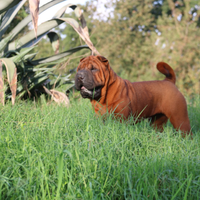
pixel 80 77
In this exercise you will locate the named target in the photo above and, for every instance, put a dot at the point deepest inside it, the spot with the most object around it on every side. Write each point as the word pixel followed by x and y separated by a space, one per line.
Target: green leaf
pixel 30 36
pixel 4 42
pixel 32 82
pixel 26 20
pixel 38 80
pixel 34 41
pixel 77 11
pixel 30 56
pixel 43 29
pixel 10 67
pixel 1 85
pixel 82 31
pixel 9 16
pixel 22 53
pixel 57 56
pixel 5 5
pixel 61 12
pixel 33 73
pixel 54 39
pixel 42 69
pixel 72 22
pixel 11 75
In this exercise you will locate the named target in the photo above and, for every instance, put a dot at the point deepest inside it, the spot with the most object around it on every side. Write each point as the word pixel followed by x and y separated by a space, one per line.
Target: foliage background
pixel 26 74
pixel 139 34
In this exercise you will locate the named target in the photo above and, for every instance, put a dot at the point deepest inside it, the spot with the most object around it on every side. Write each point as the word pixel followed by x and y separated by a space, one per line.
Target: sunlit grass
pixel 52 152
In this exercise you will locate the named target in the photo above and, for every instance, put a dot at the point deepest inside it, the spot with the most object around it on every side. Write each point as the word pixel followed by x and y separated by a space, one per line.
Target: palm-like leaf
pixel 33 73
pixel 12 78
pixel 5 5
pixel 9 16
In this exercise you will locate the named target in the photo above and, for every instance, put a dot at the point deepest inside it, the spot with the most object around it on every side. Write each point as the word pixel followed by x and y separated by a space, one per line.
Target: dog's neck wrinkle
pixel 112 85
pixel 109 85
pixel 107 104
pixel 114 95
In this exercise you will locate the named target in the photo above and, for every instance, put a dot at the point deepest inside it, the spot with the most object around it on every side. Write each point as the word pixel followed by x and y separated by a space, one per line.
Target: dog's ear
pixel 82 59
pixel 102 59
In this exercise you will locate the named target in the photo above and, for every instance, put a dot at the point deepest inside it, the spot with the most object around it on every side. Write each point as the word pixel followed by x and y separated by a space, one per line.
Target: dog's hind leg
pixel 181 123
pixel 158 121
pixel 178 116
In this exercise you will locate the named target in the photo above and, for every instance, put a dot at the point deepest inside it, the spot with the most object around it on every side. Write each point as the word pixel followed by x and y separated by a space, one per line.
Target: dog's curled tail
pixel 165 69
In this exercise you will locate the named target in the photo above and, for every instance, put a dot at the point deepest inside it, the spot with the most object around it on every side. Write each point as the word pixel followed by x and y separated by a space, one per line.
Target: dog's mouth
pixel 94 93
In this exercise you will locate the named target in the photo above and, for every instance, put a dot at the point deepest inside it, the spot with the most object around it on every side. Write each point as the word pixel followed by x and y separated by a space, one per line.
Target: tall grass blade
pixel 60 173
pixel 179 190
pixel 188 185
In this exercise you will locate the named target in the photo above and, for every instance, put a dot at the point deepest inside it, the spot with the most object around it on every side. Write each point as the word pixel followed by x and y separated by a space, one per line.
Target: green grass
pixel 52 152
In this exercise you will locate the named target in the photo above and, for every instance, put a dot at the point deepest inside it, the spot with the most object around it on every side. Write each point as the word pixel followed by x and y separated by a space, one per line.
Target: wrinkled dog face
pixel 89 80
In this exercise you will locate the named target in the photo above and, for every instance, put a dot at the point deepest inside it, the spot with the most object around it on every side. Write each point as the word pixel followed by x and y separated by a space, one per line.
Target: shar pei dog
pixel 156 100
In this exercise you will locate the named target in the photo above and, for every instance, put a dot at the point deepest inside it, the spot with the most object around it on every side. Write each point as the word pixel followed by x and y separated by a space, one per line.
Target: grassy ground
pixel 51 152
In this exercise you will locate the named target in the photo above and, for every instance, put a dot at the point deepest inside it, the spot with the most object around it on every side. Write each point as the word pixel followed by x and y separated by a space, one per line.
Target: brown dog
pixel 156 100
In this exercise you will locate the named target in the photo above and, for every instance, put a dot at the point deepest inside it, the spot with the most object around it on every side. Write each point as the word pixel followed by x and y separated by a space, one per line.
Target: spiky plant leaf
pixel 4 42
pixel 32 74
pixel 9 16
pixel 26 20
pixel 30 40
pixel 83 29
pixel 6 5
pixel 55 41
pixel 10 68
pixel 12 77
pixel 30 36
pixel 82 32
pixel 1 85
pixel 19 57
pixel 58 56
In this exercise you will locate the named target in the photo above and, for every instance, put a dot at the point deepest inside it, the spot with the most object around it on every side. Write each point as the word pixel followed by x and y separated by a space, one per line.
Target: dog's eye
pixel 94 70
